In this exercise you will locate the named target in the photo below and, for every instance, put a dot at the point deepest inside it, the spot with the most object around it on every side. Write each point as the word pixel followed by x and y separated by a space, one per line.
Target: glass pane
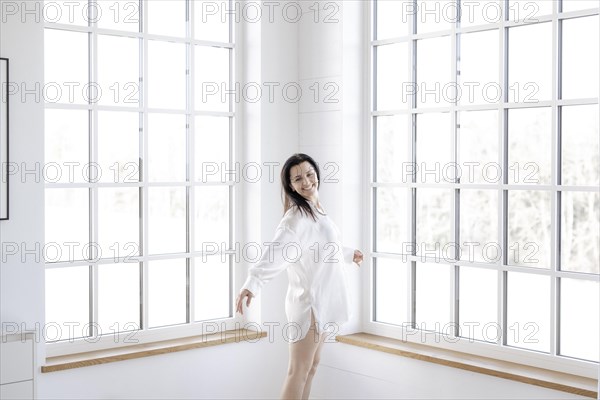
pixel 118 297
pixel 392 220
pixel 167 292
pixel 528 312
pixel 481 12
pixel 212 285
pixel 67 311
pixel 72 12
pixel 166 60
pixel 212 20
pixel 580 146
pixel 530 63
pixel 436 15
pixel 529 228
pixel 118 222
pixel 65 66
pixel 118 71
pixel 212 217
pixel 478 147
pixel 166 220
pixel 580 232
pixel 434 211
pixel 392 291
pixel 66 141
pixel 528 11
pixel 574 5
pixel 393 137
pixel 479 226
pixel 212 79
pixel 580 57
pixel 434 149
pixel 434 283
pixel 67 225
pixel 434 88
pixel 529 146
pixel 212 150
pixel 393 17
pixel 479 68
pixel 166 17
pixel 167 148
pixel 394 85
pixel 479 304
pixel 123 15
pixel 579 319
pixel 119 146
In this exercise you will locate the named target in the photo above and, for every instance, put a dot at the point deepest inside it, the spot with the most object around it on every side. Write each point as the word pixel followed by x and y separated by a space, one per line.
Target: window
pixel 485 173
pixel 139 211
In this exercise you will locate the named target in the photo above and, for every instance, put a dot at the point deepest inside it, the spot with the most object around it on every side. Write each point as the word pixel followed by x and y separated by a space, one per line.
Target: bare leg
pixel 313 369
pixel 302 364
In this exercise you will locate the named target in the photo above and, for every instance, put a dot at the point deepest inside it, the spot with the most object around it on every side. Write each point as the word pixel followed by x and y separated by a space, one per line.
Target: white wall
pixel 22 274
pixel 22 288
pixel 274 52
pixel 236 370
pixel 330 118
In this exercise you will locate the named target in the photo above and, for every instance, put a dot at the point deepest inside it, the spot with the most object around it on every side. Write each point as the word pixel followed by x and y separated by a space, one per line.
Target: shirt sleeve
pixel 274 260
pixel 348 254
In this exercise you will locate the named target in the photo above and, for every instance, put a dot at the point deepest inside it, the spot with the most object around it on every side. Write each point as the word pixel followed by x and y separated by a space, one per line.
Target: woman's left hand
pixel 358 257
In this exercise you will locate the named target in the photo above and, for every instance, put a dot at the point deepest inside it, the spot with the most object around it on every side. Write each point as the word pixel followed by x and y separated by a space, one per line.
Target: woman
pixel 307 244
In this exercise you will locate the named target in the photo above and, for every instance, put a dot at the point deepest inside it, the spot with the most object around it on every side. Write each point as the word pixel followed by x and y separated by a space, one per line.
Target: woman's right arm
pixel 274 260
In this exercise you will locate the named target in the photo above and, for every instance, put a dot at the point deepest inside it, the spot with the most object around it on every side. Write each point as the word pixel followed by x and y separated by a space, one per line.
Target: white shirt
pixel 315 260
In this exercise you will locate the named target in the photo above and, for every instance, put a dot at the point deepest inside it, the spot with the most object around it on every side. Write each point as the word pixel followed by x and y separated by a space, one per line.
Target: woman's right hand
pixel 240 300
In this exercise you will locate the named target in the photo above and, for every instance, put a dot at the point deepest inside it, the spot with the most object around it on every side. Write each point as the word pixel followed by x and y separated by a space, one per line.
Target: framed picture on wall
pixel 3 138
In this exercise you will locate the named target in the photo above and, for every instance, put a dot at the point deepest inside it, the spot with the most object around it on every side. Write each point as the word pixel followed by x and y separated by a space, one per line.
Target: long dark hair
pixel 290 197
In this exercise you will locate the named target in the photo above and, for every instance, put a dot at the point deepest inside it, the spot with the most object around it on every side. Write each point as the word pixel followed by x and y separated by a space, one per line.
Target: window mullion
pixel 555 167
pixel 412 271
pixel 93 157
pixel 455 198
pixel 502 192
pixel 144 166
pixel 233 160
pixel 371 21
pixel 141 173
pixel 191 164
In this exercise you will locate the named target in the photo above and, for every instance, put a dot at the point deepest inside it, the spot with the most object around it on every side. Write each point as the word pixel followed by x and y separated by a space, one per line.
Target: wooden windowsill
pixel 79 360
pixel 502 369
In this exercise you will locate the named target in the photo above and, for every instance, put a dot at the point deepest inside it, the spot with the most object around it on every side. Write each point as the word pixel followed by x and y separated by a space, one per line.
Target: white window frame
pixel 191 327
pixel 493 350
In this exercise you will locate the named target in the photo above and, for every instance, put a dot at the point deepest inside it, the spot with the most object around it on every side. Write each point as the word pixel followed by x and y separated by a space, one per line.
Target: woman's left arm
pixel 350 254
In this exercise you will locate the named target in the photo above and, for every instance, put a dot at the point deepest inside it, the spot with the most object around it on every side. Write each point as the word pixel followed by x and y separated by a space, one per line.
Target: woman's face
pixel 304 180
